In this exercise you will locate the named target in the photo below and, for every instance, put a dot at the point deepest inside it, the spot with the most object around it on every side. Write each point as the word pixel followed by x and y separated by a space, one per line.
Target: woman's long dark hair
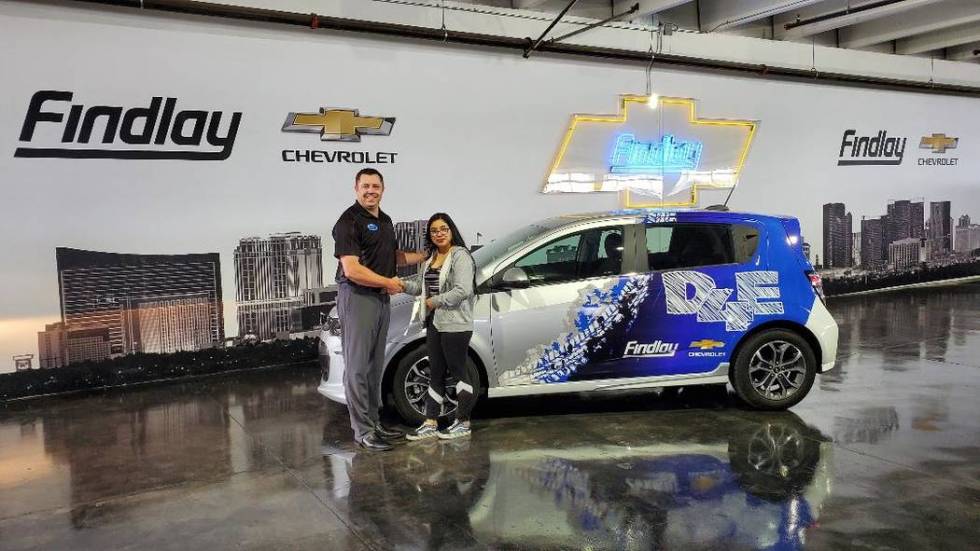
pixel 457 240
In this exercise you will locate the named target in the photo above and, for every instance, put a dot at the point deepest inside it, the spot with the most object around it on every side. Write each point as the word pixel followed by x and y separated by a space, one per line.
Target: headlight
pixel 333 323
pixel 333 326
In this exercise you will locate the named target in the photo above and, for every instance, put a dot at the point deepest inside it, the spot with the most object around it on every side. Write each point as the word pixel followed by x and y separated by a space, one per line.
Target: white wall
pixel 635 37
pixel 475 133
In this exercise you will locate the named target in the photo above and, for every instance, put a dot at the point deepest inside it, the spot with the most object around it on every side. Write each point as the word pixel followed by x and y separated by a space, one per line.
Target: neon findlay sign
pixel 669 155
pixel 653 157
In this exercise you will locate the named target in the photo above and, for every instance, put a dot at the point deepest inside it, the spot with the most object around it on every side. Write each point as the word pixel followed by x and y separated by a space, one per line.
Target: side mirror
pixel 515 278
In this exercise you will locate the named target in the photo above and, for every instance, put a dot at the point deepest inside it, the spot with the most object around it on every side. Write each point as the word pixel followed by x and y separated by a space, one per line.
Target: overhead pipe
pixel 319 22
pixel 847 11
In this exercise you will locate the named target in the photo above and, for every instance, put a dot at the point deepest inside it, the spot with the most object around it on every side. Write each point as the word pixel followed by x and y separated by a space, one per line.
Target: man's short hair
pixel 368 172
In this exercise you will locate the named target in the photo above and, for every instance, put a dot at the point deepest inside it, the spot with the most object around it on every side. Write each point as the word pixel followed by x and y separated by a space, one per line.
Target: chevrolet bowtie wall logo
pixel 707 344
pixel 338 125
pixel 938 143
pixel 653 157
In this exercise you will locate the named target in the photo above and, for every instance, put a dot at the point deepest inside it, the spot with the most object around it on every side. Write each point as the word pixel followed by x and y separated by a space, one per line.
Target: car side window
pixel 746 242
pixel 688 245
pixel 593 253
pixel 609 254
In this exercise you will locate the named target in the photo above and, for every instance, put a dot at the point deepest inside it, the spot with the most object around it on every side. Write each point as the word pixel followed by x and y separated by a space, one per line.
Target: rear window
pixel 687 245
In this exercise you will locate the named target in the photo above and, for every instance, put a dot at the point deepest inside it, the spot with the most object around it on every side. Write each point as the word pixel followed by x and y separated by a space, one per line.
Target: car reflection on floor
pixel 760 487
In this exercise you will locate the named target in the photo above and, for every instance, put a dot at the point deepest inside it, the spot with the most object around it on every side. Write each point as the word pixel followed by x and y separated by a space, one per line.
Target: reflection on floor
pixel 883 454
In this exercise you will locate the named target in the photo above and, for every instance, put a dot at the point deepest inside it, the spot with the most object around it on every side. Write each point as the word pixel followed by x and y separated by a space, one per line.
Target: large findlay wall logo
pixel 158 131
pixel 342 126
pixel 875 150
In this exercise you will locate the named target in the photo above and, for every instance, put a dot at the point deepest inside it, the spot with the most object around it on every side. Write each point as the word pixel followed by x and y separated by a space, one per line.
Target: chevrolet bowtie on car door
pixel 627 300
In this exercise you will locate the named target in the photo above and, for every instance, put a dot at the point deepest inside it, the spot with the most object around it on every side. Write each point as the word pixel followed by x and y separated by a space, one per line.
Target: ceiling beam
pixel 529 4
pixel 828 16
pixel 647 7
pixel 964 52
pixel 953 36
pixel 718 15
pixel 920 20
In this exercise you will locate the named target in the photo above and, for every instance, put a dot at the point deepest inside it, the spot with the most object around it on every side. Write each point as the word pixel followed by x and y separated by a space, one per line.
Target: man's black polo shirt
pixel 359 233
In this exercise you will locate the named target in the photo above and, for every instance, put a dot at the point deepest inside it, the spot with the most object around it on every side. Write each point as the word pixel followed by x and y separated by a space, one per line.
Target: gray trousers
pixel 364 328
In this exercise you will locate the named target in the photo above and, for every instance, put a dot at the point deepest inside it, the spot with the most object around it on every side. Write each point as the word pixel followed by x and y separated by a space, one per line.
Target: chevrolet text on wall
pixel 156 129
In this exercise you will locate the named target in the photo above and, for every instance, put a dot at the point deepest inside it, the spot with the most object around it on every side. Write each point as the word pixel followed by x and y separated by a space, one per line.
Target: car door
pixel 541 333
pixel 695 314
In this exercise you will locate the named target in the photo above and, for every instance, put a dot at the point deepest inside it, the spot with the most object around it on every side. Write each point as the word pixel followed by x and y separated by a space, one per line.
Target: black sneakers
pixel 374 442
pixel 388 434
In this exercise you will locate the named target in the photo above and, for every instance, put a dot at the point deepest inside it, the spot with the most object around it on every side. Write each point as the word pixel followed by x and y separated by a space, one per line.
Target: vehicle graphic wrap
pixel 674 322
pixel 689 292
pixel 600 310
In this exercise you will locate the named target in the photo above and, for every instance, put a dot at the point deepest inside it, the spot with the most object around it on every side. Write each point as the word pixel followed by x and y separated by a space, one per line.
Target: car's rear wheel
pixel 774 369
pixel 411 385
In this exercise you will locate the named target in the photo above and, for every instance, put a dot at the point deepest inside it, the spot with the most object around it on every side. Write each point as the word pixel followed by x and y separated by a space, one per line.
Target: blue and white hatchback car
pixel 627 300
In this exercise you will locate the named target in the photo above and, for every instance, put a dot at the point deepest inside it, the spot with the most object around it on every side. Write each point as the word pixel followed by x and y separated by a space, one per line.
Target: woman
pixel 445 286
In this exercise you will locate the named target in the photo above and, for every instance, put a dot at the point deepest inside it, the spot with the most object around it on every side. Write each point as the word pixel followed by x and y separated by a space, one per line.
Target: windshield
pixel 503 246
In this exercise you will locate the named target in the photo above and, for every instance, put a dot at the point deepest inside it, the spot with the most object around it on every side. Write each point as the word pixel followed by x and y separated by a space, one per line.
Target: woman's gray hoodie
pixel 454 312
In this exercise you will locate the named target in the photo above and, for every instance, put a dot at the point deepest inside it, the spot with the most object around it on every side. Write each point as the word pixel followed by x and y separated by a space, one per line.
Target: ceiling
pixel 941 29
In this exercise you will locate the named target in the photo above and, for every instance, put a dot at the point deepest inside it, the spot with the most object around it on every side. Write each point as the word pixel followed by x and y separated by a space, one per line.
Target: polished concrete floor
pixel 883 454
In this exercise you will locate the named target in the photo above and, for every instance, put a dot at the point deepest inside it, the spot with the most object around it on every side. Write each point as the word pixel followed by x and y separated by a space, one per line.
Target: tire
pixel 405 405
pixel 760 378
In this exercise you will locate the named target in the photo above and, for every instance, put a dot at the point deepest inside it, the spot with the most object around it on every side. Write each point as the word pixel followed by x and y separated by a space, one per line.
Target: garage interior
pixel 884 452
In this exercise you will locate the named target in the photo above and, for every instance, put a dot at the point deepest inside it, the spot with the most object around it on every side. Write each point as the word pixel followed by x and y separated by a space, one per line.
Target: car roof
pixel 568 219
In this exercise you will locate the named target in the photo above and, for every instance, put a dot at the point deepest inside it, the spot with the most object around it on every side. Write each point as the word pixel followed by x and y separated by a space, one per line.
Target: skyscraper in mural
pixel 940 229
pixel 271 276
pixel 114 304
pixel 917 223
pixel 967 236
pixel 899 221
pixel 411 237
pixel 52 349
pixel 873 253
pixel 837 235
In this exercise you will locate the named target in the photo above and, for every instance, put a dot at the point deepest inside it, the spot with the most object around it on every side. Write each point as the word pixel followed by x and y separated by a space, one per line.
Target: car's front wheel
pixel 774 369
pixel 411 385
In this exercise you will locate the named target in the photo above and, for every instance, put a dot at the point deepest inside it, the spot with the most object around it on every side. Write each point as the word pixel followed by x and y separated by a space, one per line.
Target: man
pixel 367 251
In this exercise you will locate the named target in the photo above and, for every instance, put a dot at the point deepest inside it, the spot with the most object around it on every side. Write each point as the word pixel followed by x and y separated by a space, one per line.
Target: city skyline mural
pixel 910 241
pixel 114 304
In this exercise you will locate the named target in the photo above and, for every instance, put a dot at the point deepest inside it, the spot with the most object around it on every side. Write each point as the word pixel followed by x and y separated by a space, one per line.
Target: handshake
pixel 394 286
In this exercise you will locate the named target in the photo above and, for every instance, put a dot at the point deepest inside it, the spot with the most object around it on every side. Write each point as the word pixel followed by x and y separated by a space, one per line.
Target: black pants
pixel 447 356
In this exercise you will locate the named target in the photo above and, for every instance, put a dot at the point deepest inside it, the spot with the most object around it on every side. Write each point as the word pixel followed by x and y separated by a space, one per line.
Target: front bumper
pixel 332 382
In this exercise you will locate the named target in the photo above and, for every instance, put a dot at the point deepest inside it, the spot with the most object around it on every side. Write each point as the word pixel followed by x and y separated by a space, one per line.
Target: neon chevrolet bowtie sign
pixel 669 155
pixel 654 157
